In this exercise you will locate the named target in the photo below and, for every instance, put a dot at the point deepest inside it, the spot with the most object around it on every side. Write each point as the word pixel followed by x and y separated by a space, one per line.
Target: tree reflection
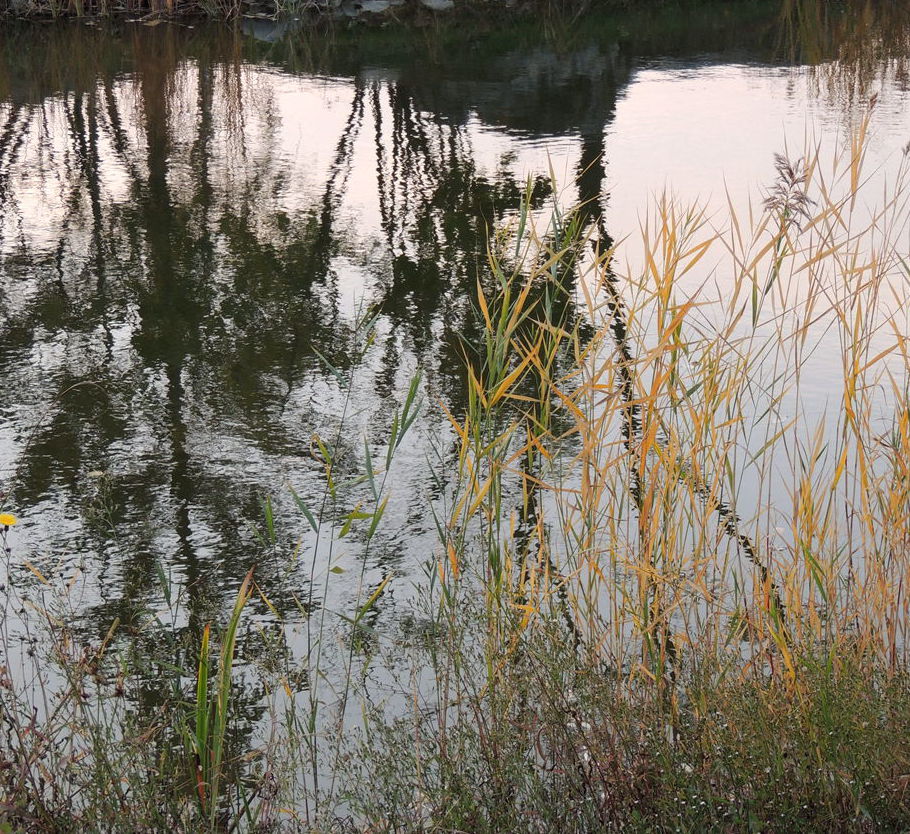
pixel 174 264
pixel 181 292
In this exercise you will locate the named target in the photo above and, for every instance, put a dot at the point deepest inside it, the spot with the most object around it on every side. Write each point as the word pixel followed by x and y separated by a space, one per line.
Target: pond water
pixel 193 220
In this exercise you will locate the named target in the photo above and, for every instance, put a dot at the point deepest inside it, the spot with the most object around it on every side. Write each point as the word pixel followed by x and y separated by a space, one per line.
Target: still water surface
pixel 193 220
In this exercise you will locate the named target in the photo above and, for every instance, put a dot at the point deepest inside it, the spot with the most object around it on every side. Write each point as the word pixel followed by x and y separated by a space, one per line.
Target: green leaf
pixel 355 515
pixel 377 517
pixel 342 381
pixel 368 462
pixel 301 504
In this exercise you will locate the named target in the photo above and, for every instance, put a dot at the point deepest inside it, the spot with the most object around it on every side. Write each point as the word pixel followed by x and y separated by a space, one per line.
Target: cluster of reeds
pixel 675 559
pixel 670 475
pixel 669 592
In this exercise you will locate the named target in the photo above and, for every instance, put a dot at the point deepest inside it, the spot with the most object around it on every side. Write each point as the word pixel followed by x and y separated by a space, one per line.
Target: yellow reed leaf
pixel 453 561
pixel 476 385
pixel 478 500
pixel 510 380
pixel 37 572
pixel 482 301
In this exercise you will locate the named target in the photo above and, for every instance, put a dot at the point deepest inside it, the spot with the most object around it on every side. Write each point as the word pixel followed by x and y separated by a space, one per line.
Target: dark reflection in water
pixel 189 218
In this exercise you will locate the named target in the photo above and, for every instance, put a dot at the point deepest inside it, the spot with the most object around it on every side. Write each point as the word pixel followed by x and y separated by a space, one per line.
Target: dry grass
pixel 674 567
pixel 670 587
pixel 679 486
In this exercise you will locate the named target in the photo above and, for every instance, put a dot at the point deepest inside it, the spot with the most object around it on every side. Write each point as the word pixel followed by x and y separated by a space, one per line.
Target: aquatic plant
pixel 667 593
pixel 675 601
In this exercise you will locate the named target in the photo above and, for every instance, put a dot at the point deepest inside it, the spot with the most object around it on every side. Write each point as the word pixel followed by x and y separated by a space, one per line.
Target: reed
pixel 658 548
pixel 669 588
pixel 210 710
pixel 698 485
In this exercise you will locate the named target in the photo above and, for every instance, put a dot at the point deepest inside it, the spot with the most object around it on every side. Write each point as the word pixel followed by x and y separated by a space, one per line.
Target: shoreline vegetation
pixel 668 591
pixel 377 12
pixel 667 595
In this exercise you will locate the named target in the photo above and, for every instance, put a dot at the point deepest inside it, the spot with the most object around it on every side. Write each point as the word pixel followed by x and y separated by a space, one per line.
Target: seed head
pixel 788 197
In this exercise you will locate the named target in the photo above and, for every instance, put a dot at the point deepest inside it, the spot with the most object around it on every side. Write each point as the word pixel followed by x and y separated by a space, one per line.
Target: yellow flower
pixel 8 520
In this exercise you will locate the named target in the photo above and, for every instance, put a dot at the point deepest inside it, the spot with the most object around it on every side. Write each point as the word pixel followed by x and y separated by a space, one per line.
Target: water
pixel 194 220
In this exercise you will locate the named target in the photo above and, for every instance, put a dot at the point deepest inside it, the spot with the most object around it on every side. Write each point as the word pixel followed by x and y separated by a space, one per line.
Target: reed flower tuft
pixel 789 196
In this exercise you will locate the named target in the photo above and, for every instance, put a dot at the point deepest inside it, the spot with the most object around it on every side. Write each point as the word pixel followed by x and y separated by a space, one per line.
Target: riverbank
pixel 369 12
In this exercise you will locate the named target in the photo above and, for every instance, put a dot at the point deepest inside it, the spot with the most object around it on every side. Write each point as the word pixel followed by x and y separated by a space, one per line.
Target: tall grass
pixel 211 712
pixel 669 589
pixel 672 579
pixel 678 476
